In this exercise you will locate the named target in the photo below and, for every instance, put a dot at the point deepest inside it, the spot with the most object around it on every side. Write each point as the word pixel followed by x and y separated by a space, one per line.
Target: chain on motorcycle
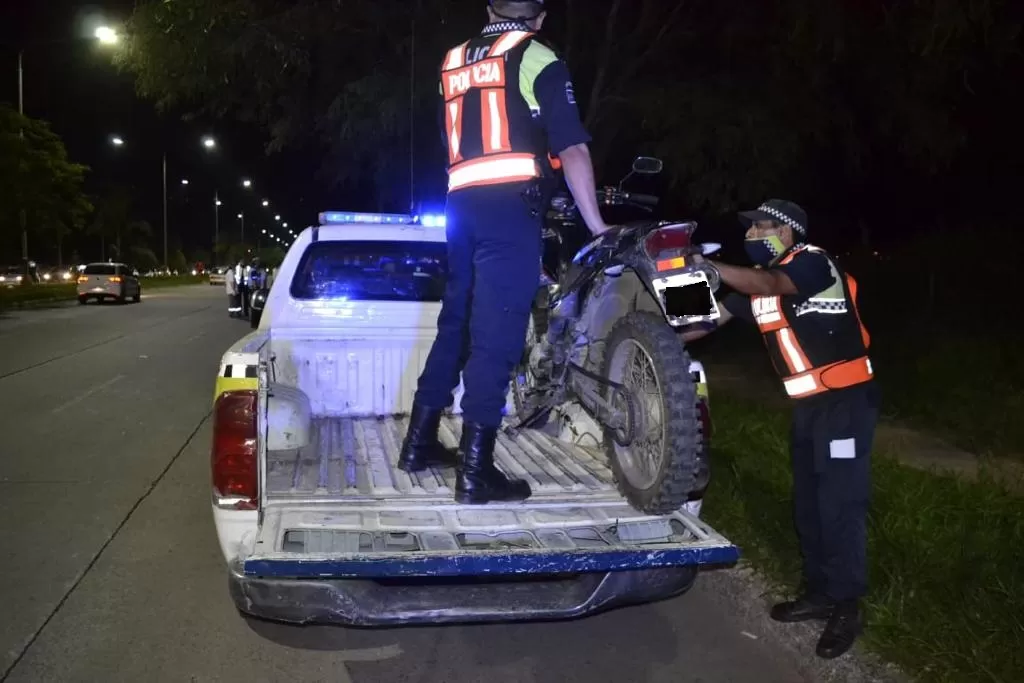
pixel 596 378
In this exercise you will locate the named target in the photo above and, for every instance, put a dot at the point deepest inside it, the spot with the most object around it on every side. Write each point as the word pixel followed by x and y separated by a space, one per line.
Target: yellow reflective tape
pixel 536 58
pixel 702 390
pixel 225 384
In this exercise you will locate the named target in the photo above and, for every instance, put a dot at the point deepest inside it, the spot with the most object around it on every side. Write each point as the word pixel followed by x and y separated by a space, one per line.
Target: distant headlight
pixel 47 276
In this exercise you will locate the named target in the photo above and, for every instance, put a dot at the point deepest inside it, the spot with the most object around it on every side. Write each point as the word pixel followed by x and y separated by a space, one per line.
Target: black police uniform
pixel 506 99
pixel 818 346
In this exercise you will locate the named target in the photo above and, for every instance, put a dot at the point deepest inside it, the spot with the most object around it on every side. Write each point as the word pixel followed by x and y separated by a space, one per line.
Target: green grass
pixel 965 388
pixel 970 391
pixel 29 296
pixel 947 586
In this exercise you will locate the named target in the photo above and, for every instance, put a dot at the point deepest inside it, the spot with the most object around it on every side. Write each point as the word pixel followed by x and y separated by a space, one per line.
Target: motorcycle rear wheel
pixel 657 472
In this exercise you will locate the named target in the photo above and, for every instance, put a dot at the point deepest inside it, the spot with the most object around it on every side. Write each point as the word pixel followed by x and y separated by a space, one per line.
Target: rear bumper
pixel 395 602
pixel 99 293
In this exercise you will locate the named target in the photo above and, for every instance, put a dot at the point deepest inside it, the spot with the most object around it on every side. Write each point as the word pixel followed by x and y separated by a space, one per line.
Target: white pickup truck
pixel 318 525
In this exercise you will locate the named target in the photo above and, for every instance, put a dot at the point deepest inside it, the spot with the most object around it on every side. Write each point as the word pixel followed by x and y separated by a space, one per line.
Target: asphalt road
pixel 111 570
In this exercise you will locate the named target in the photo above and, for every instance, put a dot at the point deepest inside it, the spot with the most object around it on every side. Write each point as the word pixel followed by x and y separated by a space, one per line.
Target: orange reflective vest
pixel 811 357
pixel 492 138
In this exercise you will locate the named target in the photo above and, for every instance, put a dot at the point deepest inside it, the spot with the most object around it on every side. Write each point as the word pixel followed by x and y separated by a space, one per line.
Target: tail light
pixel 115 278
pixel 234 458
pixel 82 279
pixel 668 239
pixel 665 245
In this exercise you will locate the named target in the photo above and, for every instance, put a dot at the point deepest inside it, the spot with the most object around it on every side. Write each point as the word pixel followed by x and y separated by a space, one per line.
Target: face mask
pixel 764 250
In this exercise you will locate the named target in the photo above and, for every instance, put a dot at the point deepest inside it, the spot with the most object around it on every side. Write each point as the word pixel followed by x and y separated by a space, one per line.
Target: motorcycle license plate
pixel 687 298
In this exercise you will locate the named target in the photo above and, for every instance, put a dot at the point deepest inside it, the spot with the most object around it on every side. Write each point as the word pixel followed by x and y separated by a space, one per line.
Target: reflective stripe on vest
pixel 499 164
pixel 802 379
pixel 505 168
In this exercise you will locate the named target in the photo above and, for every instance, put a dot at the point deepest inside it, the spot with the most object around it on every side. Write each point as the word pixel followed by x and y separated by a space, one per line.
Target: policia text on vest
pixel 505 102
pixel 805 307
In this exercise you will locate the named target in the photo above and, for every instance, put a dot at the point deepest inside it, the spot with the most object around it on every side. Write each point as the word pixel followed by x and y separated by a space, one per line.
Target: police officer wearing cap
pixel 805 307
pixel 506 100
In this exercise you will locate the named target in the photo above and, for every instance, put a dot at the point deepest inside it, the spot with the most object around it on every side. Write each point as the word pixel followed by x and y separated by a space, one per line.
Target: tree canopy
pixel 739 103
pixel 39 179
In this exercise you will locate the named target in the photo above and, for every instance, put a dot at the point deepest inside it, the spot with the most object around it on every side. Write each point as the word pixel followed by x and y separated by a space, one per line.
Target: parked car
pixel 117 281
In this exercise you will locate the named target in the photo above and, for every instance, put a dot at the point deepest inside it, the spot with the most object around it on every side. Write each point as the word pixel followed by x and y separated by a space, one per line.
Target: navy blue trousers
pixel 831 446
pixel 494 251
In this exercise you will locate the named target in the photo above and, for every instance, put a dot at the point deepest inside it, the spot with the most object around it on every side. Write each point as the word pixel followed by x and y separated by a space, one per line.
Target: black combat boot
pixel 421 448
pixel 805 608
pixel 479 481
pixel 841 631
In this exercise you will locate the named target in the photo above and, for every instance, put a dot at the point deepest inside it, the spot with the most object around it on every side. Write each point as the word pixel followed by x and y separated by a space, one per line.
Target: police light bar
pixel 433 221
pixel 347 217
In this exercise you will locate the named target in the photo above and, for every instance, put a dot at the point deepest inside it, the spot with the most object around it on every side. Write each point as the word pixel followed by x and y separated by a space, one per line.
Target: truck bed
pixel 352 459
pixel 341 508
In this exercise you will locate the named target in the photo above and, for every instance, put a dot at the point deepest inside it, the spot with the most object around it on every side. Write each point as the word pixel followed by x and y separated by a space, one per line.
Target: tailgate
pixel 342 509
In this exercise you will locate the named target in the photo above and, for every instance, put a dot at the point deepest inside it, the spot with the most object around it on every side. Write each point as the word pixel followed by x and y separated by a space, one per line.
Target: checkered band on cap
pixel 771 211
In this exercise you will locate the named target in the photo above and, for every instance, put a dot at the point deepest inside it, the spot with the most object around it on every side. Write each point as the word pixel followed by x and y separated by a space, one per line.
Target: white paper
pixel 842 449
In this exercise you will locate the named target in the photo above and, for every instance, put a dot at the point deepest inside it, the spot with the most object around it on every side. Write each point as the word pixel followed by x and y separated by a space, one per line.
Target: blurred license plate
pixel 690 300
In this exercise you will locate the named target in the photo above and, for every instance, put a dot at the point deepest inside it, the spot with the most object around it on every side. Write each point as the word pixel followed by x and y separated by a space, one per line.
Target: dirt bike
pixel 603 347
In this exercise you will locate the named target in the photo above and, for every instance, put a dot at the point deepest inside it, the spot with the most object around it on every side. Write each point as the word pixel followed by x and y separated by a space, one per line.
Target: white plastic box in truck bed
pixel 316 522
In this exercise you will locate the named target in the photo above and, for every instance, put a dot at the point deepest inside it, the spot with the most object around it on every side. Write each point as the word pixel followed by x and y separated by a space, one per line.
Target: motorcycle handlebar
pixel 613 196
pixel 645 199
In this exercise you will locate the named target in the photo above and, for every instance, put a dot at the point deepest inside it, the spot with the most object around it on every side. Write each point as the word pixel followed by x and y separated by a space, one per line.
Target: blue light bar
pixel 433 221
pixel 347 217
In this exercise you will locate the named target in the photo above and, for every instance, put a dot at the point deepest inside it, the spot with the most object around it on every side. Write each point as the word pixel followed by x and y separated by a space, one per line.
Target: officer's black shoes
pixel 479 482
pixel 421 448
pixel 804 608
pixel 841 631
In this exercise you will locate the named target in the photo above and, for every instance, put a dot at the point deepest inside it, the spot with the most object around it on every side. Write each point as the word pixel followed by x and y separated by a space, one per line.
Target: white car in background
pixel 11 276
pixel 117 281
pixel 218 275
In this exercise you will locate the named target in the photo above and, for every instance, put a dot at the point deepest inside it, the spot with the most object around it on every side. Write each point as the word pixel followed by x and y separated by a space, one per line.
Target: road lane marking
pixel 98 554
pixel 89 392
pixel 134 331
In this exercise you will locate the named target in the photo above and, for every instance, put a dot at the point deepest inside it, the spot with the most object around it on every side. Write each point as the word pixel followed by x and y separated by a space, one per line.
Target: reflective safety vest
pixel 819 344
pixel 492 136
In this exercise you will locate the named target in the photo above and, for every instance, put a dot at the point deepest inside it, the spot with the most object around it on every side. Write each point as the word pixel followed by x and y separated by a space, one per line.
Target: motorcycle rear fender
pixel 620 295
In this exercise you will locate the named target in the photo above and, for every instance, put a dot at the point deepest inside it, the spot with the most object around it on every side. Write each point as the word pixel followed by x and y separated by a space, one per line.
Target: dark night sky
pixel 70 82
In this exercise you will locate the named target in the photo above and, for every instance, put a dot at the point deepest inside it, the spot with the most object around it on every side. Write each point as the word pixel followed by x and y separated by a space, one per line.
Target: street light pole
pixel 165 209
pixel 22 216
pixel 216 222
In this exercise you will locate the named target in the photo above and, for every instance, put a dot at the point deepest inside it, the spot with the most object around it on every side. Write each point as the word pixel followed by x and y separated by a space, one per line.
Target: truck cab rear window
pixel 372 271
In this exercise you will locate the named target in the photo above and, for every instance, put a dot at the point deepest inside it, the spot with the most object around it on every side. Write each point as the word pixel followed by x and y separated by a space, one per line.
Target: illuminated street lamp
pixel 209 143
pixel 184 181
pixel 106 35
pixel 116 141
pixel 247 183
pixel 277 217
pixel 266 202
